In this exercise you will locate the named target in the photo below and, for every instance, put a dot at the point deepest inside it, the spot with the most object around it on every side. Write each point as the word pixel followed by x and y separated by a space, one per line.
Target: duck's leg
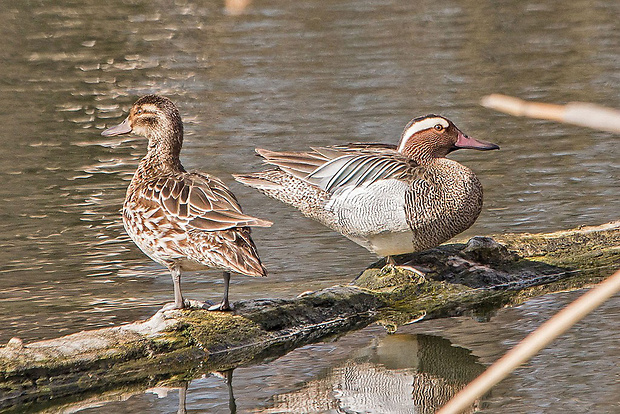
pixel 224 305
pixel 176 281
pixel 175 272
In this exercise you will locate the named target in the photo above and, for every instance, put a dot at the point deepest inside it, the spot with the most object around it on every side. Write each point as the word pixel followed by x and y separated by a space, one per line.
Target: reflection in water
pixel 183 399
pixel 232 405
pixel 227 376
pixel 572 376
pixel 400 373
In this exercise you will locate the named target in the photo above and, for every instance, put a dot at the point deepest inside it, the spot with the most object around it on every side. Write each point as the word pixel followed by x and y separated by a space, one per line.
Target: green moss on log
pixel 216 331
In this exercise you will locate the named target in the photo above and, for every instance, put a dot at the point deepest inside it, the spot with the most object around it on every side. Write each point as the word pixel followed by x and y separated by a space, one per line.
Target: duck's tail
pixel 284 187
pixel 262 181
pixel 236 252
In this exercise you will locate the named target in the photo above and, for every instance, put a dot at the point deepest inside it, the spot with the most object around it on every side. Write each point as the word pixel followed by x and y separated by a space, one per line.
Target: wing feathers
pixel 335 168
pixel 356 171
pixel 196 201
pixel 299 164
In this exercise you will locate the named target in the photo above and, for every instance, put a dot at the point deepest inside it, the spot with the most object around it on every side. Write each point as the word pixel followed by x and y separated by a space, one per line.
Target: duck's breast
pixel 445 208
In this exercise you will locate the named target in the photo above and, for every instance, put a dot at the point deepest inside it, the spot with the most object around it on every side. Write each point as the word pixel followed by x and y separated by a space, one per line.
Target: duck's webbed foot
pixel 222 306
pixel 187 304
pixel 413 270
pixel 171 306
pixel 391 262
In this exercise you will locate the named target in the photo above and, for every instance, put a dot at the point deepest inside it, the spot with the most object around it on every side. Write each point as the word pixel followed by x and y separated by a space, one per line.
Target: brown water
pixel 281 75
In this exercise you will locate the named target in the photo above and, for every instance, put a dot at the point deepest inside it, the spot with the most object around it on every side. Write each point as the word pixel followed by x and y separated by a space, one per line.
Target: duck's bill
pixel 122 128
pixel 464 141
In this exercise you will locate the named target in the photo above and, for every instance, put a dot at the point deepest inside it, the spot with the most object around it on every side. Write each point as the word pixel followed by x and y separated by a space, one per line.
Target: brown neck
pixel 162 156
pixel 154 163
pixel 423 152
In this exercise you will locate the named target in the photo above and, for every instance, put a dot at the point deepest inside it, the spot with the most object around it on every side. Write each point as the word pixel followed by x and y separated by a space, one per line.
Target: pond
pixel 291 75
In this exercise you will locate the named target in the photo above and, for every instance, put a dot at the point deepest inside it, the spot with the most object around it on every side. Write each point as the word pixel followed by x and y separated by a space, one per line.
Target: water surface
pixel 284 75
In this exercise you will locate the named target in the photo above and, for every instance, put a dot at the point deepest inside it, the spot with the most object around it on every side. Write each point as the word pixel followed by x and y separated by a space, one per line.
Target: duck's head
pixel 156 118
pixel 433 136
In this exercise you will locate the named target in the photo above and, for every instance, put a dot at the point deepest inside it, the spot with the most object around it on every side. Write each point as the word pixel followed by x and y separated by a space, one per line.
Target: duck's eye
pixel 140 111
pixel 438 127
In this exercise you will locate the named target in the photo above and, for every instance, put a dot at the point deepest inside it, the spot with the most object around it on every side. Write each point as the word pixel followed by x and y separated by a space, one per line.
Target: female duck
pixel 182 220
pixel 390 199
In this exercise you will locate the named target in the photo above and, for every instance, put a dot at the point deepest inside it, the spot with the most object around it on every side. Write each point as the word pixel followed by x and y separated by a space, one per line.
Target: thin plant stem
pixel 533 343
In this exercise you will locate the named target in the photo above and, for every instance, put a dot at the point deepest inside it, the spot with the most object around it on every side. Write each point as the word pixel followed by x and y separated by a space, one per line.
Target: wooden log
pixel 473 278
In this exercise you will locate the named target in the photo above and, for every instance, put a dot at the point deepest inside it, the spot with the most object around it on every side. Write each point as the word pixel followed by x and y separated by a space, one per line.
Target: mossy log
pixel 474 278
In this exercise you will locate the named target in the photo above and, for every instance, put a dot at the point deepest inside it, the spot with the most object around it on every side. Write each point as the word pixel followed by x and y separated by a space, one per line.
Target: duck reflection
pixel 401 373
pixel 232 405
pixel 183 398
pixel 227 376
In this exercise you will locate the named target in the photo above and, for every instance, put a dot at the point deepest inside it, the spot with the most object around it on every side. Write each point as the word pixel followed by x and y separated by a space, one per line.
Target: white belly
pixel 388 244
pixel 374 217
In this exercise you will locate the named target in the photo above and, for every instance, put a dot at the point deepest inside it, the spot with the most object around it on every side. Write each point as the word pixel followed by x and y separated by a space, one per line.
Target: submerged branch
pixel 474 278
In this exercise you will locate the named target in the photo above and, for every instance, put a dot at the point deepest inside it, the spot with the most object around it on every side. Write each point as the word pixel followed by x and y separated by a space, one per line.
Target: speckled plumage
pixel 389 199
pixel 182 220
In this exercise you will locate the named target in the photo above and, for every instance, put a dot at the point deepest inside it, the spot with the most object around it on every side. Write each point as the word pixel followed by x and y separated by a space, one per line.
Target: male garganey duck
pixel 182 220
pixel 389 199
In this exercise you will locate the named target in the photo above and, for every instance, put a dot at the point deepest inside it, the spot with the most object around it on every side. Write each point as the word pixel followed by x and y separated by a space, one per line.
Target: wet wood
pixel 577 113
pixel 475 278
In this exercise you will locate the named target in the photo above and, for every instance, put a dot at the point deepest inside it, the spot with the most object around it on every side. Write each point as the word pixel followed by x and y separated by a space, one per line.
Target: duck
pixel 185 221
pixel 390 199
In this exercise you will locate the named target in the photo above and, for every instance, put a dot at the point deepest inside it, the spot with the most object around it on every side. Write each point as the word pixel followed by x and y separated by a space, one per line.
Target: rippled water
pixel 280 75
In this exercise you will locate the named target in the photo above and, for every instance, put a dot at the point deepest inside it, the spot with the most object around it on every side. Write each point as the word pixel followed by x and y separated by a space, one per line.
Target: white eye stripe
pixel 421 126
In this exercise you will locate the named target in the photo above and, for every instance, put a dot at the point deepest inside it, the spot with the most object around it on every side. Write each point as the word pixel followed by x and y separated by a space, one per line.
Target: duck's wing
pixel 197 201
pixel 298 164
pixel 365 147
pixel 338 167
pixel 357 170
